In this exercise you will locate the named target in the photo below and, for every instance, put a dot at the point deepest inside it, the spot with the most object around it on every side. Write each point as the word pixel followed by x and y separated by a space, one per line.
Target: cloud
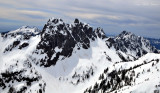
pixel 115 14
pixel 91 15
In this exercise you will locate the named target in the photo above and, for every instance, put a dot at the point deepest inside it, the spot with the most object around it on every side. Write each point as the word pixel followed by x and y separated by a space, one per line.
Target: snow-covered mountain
pixel 75 58
pixel 133 45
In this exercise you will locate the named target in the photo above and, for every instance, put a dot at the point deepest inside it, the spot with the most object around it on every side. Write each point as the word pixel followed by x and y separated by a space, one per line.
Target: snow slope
pixel 82 62
pixel 147 76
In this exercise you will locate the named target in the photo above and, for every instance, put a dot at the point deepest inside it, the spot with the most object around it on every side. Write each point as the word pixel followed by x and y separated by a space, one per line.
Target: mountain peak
pixel 125 33
pixel 24 27
pixel 55 21
pixel 76 20
pixel 100 33
pixel 66 37
pixel 25 30
pixel 130 43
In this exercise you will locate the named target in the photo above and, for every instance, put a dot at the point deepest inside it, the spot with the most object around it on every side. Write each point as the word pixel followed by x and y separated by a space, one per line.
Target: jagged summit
pixel 76 21
pixel 125 33
pixel 54 21
pixel 100 33
pixel 66 37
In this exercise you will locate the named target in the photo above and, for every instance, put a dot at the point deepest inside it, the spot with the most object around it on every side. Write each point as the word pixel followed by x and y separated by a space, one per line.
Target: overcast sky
pixel 141 17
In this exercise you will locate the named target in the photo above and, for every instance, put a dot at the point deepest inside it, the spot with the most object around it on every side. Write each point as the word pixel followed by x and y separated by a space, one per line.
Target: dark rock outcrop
pixel 57 34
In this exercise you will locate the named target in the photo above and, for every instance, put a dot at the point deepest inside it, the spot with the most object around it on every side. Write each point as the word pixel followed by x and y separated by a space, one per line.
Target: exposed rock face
pixel 65 37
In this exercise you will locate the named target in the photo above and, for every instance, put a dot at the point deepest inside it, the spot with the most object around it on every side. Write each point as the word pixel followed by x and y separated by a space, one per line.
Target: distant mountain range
pixel 153 41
